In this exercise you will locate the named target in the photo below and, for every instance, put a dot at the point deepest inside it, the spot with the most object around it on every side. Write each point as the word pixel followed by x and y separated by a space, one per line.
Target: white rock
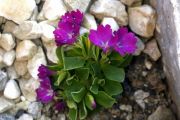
pixel 152 50
pixel 12 90
pixel 34 109
pixel 28 88
pixel 5 104
pixel 3 80
pixel 89 21
pixel 139 96
pixel 83 30
pixel 2 52
pixel 28 30
pixel 21 67
pixel 47 34
pixel 131 2
pixel 142 20
pixel 25 50
pixel 7 41
pixel 34 14
pixel 53 9
pixel 111 22
pixel 25 117
pixel 110 8
pixel 12 74
pixel 34 63
pixel 51 51
pixel 9 57
pixel 82 5
pixel 9 27
pixel 17 10
pixel 140 47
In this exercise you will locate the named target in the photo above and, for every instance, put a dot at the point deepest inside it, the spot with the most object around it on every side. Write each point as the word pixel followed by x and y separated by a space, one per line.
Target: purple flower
pixel 45 94
pixel 102 37
pixel 124 41
pixel 94 104
pixel 43 72
pixel 68 28
pixel 60 106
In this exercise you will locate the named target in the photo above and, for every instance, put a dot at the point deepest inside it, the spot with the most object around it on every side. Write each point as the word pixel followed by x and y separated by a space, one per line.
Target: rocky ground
pixel 27 40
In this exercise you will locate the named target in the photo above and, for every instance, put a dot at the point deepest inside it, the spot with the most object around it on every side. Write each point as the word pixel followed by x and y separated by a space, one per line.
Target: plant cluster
pixel 90 69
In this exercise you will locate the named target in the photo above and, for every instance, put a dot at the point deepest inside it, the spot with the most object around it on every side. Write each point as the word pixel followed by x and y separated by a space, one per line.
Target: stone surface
pixel 51 51
pixel 131 2
pixel 28 88
pixel 12 74
pixel 25 117
pixel 139 96
pixel 127 108
pixel 47 32
pixel 82 5
pixel 28 30
pixel 162 113
pixel 140 47
pixel 21 67
pixel 34 109
pixel 53 9
pixel 17 10
pixel 9 27
pixel 7 41
pixel 12 90
pixel 5 104
pixel 9 57
pixel 142 20
pixel 34 63
pixel 6 117
pixel 2 51
pixel 111 22
pixel 89 21
pixel 168 36
pixel 109 8
pixel 152 50
pixel 83 30
pixel 25 50
pixel 3 80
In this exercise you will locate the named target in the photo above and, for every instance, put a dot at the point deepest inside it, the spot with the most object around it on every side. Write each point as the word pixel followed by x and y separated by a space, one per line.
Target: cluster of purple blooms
pixel 122 41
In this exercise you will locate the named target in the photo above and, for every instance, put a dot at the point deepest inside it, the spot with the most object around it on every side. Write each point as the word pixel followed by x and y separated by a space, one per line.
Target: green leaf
pixel 89 101
pixel 71 104
pixel 95 52
pixel 113 88
pixel 55 67
pixel 82 111
pixel 94 87
pixel 62 75
pixel 60 54
pixel 82 73
pixel 72 114
pixel 73 63
pixel 70 79
pixel 104 99
pixel 113 73
pixel 78 95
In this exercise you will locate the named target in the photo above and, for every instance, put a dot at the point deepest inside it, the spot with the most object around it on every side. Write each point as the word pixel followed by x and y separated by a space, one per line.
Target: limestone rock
pixel 131 2
pixel 3 80
pixel 140 47
pixel 17 10
pixel 5 104
pixel 21 67
pixel 83 30
pixel 28 30
pixel 111 22
pixel 9 27
pixel 9 57
pixel 34 109
pixel 2 52
pixel 162 113
pixel 53 9
pixel 139 96
pixel 51 51
pixel 34 63
pixel 7 41
pixel 25 50
pixel 28 88
pixel 7 117
pixel 89 21
pixel 152 50
pixel 47 34
pixel 25 117
pixel 110 8
pixel 12 74
pixel 82 5
pixel 142 20
pixel 12 90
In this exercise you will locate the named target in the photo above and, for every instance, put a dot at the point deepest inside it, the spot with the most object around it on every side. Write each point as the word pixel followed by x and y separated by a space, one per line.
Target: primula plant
pixel 90 69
